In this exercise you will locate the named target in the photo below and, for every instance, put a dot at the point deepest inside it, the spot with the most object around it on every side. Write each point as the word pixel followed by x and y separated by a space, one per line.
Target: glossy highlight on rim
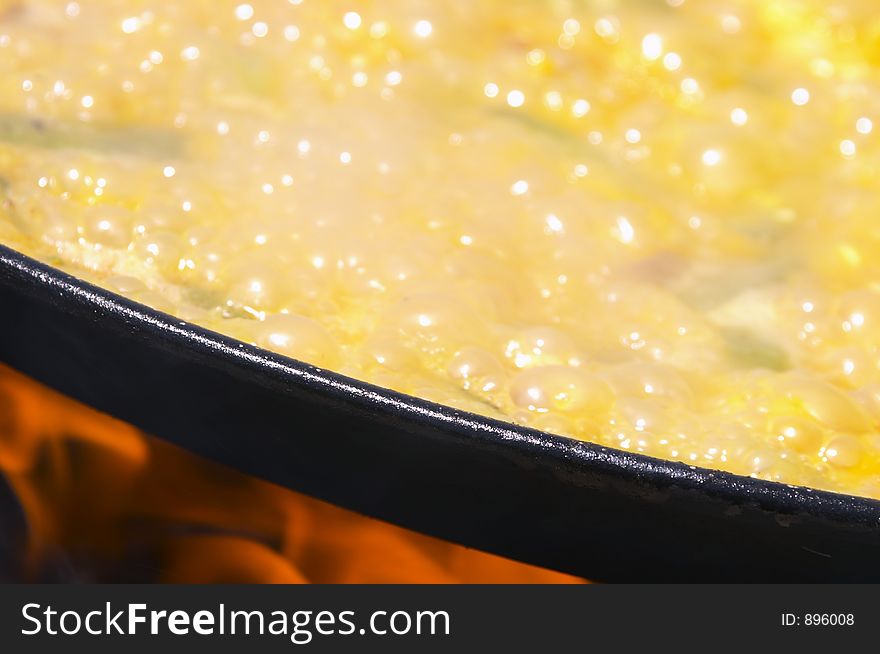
pixel 573 463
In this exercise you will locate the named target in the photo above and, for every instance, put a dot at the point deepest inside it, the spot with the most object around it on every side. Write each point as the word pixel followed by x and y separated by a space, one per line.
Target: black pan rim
pixel 19 269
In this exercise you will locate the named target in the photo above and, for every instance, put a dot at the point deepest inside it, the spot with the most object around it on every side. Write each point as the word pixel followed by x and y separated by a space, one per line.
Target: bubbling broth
pixel 644 224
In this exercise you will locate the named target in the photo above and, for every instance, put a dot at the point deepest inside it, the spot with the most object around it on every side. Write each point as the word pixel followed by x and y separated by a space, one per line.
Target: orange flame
pixel 104 502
